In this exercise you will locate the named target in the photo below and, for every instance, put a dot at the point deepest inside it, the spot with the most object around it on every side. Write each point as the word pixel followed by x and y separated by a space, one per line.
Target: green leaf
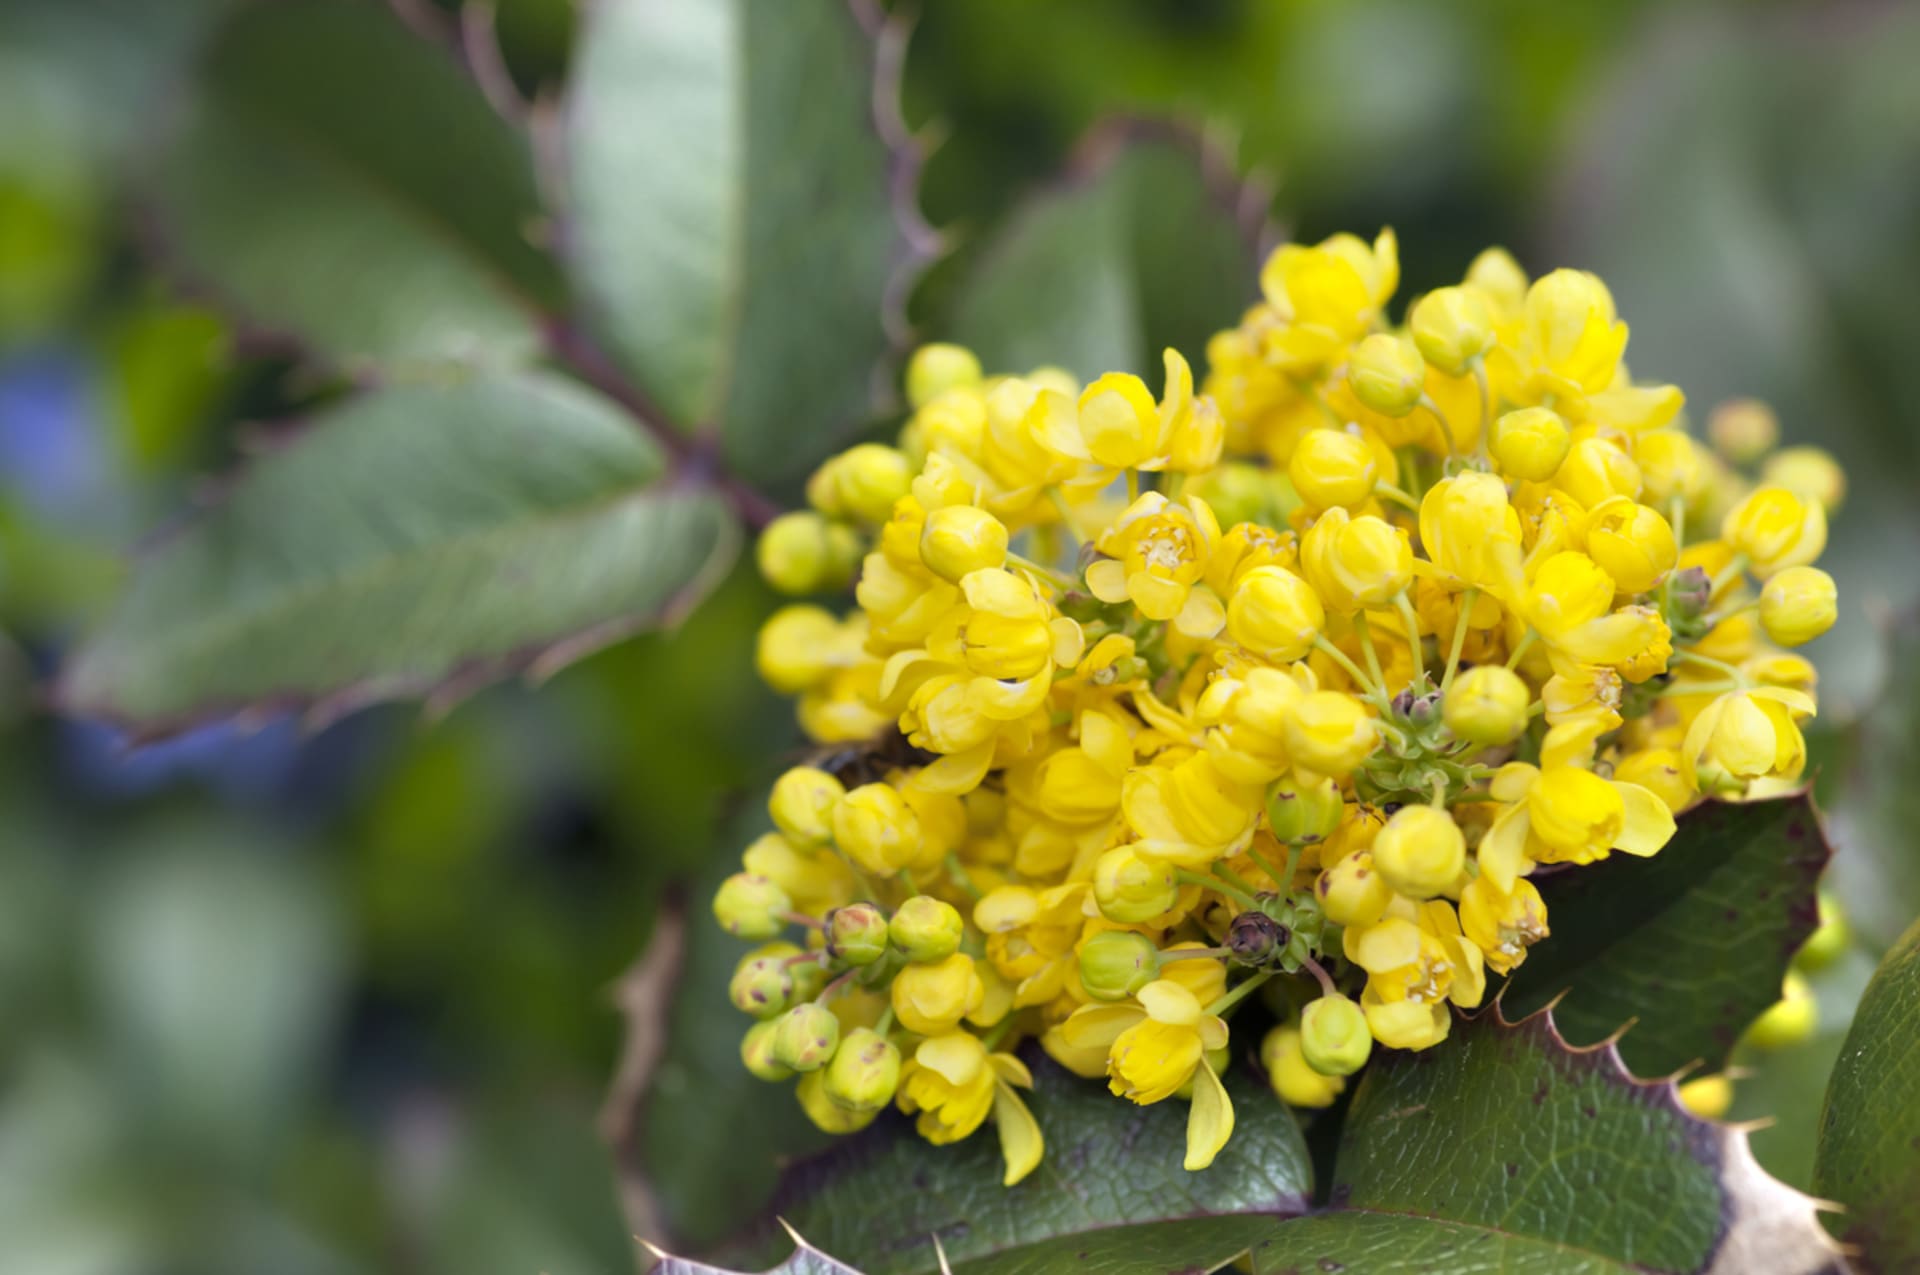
pixel 421 539
pixel 1868 1157
pixel 1110 1196
pixel 1692 943
pixel 1505 1144
pixel 1878 821
pixel 804 1260
pixel 339 181
pixel 734 227
pixel 1142 247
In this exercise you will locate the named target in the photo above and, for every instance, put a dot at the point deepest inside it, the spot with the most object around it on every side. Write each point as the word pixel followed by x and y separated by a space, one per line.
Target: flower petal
pixel 1209 1120
pixel 1097 1026
pixel 1649 821
pixel 1503 851
pixel 1021 1145
pixel 1107 580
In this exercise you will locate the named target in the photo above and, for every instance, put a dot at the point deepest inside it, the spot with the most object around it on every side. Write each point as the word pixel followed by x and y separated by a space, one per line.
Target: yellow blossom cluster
pixel 1289 683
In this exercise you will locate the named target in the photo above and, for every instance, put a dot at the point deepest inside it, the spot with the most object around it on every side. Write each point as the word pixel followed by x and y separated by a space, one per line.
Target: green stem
pixel 1060 578
pixel 999 1033
pixel 1467 600
pixel 1705 661
pixel 1235 880
pixel 1133 485
pixel 885 1024
pixel 1238 994
pixel 1211 883
pixel 1066 518
pixel 1513 657
pixel 1326 981
pixel 1195 953
pixel 1397 496
pixel 1366 648
pixel 1413 636
pixel 1339 657
pixel 1702 688
pixel 1267 867
pixel 1446 430
pixel 957 873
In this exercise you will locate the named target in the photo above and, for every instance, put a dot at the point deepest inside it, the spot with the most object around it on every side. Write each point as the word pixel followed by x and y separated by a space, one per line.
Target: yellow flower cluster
pixel 1122 731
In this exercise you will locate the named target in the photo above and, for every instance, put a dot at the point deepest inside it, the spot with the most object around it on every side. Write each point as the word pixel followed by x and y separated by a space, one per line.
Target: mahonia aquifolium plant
pixel 1127 730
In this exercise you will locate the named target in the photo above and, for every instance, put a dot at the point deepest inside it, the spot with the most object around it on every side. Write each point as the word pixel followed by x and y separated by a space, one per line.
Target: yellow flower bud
pixel 1452 327
pixel 749 906
pixel 1115 964
pixel 931 999
pixel 796 648
pixel 826 1114
pixel 1789 1020
pixel 868 479
pixel 925 929
pixel 1330 734
pixel 1352 892
pixel 1632 543
pixel 877 829
pixel 1595 471
pixel 961 539
pixel 1487 704
pixel 805 1037
pixel 1743 430
pixel 864 1072
pixel 1798 604
pixel 1571 330
pixel 799 553
pixel 1499 278
pixel 1826 943
pixel 1746 735
pixel 1275 614
pixel 1707 1097
pixel 936 368
pixel 802 803
pixel 1130 888
pixel 1421 851
pixel 1354 563
pixel 1331 467
pixel 756 1053
pixel 1671 467
pixel 1808 473
pixel 1293 1080
pixel 1776 530
pixel 1531 443
pixel 1334 1038
pixel 1387 374
pixel 857 934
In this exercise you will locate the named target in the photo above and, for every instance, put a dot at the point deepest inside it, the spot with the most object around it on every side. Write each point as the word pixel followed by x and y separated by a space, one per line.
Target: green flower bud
pixel 857 934
pixel 797 555
pixel 809 979
pixel 1130 888
pixel 805 1037
pixel 748 905
pixel 925 929
pixel 1115 964
pixel 756 1051
pixel 1789 1020
pixel 1487 705
pixel 1387 374
pixel 1304 812
pixel 864 1072
pixel 763 982
pixel 1334 1037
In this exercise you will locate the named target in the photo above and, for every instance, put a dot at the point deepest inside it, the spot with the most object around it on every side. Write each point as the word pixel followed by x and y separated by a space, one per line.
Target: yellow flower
pixel 1631 543
pixel 1568 815
pixel 1746 735
pixel 1452 327
pixel 1798 604
pixel 1292 1080
pixel 1571 342
pixel 1502 925
pixel 1330 733
pixel 1414 968
pixel 1275 614
pixel 931 999
pixel 1421 852
pixel 1775 529
pixel 953 1082
pixel 1247 718
pixel 1326 296
pixel 876 829
pixel 1334 469
pixel 1156 553
pixel 1081 784
pixel 1471 534
pixel 1155 1046
pixel 1188 812
pixel 1115 424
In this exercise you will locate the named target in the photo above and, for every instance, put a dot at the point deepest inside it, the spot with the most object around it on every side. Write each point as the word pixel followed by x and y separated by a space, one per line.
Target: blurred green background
pixel 272 1001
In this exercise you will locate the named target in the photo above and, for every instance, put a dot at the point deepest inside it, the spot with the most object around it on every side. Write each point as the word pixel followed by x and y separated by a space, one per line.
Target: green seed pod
pixel 1334 1038
pixel 749 906
pixel 925 929
pixel 756 1051
pixel 857 934
pixel 1115 964
pixel 864 1072
pixel 805 1037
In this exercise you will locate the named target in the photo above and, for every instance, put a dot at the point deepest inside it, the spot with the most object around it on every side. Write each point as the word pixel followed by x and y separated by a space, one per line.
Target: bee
pixel 870 761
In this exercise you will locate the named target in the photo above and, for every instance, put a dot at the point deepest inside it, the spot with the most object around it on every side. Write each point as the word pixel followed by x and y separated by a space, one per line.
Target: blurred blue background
pixel 277 1001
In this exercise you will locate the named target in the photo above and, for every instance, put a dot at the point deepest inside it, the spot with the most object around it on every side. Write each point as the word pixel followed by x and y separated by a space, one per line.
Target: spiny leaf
pixel 1868 1157
pixel 804 1260
pixel 735 226
pixel 1691 944
pixel 1147 243
pixel 1110 1196
pixel 339 181
pixel 1505 1144
pixel 416 540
